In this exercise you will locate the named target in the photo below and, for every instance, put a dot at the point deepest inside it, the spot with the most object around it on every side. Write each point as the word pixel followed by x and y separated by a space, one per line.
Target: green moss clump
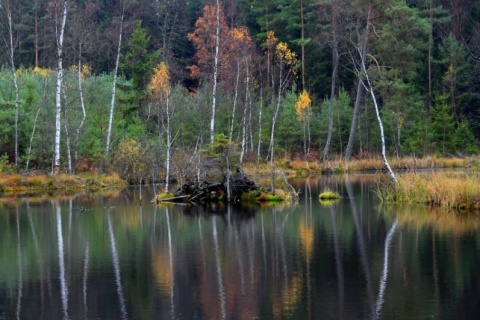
pixel 163 196
pixel 329 195
pixel 267 197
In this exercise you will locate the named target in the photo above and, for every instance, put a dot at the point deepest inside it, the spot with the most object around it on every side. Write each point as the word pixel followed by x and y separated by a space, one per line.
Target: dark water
pixel 107 257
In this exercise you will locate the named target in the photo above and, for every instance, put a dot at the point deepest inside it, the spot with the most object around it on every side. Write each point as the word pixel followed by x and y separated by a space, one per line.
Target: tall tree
pixel 115 72
pixel 215 72
pixel 360 89
pixel 8 7
pixel 160 91
pixel 284 73
pixel 137 63
pixel 60 11
pixel 209 35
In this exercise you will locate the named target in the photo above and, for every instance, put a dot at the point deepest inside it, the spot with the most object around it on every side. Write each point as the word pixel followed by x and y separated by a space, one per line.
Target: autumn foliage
pixel 204 38
pixel 236 46
pixel 302 106
pixel 160 83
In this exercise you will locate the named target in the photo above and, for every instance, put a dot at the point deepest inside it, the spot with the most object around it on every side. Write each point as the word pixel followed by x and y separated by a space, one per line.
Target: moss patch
pixel 329 195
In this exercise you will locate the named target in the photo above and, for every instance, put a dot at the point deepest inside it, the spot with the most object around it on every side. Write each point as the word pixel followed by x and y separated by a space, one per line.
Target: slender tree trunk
pixel 82 105
pixel 369 88
pixel 14 74
pixel 169 147
pixel 360 89
pixel 271 147
pixel 302 24
pixel 36 34
pixel 237 78
pixel 29 152
pixel 260 125
pixel 430 47
pixel 244 121
pixel 58 94
pixel 333 88
pixel 67 138
pixel 114 85
pixel 215 75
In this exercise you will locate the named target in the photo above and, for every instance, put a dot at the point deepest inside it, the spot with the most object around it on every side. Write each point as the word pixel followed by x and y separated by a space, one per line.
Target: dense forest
pixel 144 87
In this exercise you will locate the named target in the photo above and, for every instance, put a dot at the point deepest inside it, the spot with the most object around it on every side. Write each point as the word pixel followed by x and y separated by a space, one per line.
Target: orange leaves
pixel 235 44
pixel 204 35
pixel 302 107
pixel 160 83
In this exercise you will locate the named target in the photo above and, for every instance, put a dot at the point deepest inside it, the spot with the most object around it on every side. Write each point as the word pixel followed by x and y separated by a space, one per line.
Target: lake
pixel 113 256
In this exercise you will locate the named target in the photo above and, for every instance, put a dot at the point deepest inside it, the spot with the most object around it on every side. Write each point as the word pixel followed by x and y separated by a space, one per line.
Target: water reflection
pixel 116 267
pixel 102 257
pixel 61 260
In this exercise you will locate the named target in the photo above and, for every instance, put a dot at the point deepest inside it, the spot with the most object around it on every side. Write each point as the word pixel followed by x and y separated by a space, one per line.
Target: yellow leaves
pixel 302 107
pixel 44 72
pixel 285 55
pixel 271 39
pixel 238 34
pixel 160 82
pixel 86 70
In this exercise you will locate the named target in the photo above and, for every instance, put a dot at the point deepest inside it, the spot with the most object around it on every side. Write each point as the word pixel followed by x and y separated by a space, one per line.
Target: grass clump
pixel 164 196
pixel 329 195
pixel 457 190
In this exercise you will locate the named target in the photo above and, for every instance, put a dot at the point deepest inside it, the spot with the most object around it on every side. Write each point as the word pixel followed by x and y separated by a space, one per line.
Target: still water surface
pixel 108 257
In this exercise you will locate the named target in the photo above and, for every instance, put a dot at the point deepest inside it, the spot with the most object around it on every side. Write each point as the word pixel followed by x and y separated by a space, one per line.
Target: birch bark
pixel 114 84
pixel 58 92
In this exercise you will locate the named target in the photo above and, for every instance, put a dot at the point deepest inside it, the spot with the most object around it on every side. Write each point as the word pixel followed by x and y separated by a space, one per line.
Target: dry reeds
pixel 38 183
pixel 459 190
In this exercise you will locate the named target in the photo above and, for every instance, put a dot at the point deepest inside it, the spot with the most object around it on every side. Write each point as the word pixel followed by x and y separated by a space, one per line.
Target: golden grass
pixel 299 168
pixel 38 183
pixel 459 190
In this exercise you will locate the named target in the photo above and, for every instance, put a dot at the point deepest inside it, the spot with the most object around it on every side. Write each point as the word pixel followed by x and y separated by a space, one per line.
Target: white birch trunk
pixel 215 75
pixel 29 152
pixel 235 101
pixel 114 85
pixel 281 84
pixel 14 74
pixel 244 121
pixel 58 96
pixel 260 125
pixel 369 88
pixel 272 132
pixel 168 129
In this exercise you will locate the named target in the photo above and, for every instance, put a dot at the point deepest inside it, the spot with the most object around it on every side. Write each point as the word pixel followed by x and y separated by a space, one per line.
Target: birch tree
pixel 114 84
pixel 367 84
pixel 60 21
pixel 215 73
pixel 283 74
pixel 160 93
pixel 8 7
pixel 209 35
